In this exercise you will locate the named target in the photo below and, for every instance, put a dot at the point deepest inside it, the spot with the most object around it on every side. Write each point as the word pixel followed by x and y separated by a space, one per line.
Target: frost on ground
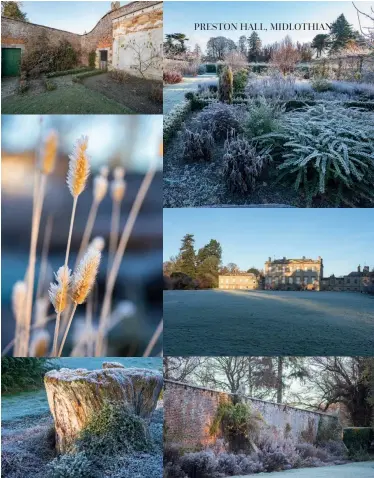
pixel 28 449
pixel 268 323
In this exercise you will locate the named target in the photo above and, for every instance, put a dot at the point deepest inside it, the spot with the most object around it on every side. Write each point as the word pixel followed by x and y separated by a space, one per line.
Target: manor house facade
pixel 241 280
pixel 293 274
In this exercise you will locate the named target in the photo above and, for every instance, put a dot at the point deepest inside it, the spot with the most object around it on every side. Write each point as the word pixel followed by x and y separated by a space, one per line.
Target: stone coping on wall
pixel 122 11
pixel 212 390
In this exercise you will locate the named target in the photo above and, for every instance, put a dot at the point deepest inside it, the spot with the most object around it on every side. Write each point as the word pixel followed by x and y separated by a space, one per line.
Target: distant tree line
pixel 192 269
pixel 324 383
pixel 342 37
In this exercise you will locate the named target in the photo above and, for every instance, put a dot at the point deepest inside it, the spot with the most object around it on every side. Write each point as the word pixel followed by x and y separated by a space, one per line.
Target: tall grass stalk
pixel 154 339
pixel 44 259
pixel 105 311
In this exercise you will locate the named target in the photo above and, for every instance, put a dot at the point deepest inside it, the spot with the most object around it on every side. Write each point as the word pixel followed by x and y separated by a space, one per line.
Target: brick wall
pixel 190 410
pixel 135 17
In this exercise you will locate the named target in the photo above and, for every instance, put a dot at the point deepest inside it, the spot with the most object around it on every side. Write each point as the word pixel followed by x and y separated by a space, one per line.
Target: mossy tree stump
pixel 77 395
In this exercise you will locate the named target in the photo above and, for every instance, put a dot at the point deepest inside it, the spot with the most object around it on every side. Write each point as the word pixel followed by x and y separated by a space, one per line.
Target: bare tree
pixel 182 369
pixel 286 56
pixel 367 31
pixel 236 60
pixel 146 55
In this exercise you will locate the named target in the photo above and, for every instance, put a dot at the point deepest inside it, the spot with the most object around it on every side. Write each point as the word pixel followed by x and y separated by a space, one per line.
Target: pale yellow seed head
pixel 41 311
pixel 79 167
pixel 49 153
pixel 98 243
pixel 85 275
pixel 39 346
pixel 58 293
pixel 100 188
pixel 18 300
pixel 118 189
pixel 161 149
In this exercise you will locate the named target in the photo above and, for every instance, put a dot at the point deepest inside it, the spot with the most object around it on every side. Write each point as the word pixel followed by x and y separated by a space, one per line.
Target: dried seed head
pixel 41 311
pixel 18 300
pixel 98 243
pixel 118 188
pixel 161 149
pixel 85 275
pixel 49 152
pixel 58 293
pixel 79 167
pixel 100 188
pixel 40 344
pixel 119 172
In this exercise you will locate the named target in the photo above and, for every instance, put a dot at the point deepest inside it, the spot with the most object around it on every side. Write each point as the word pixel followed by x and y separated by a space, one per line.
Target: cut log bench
pixel 77 395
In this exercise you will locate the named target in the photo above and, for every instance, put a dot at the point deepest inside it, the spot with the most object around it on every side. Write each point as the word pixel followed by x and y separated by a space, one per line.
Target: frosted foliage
pixel 328 149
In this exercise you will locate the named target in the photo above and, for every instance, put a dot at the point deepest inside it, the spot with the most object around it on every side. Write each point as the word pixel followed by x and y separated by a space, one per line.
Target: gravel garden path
pixel 174 94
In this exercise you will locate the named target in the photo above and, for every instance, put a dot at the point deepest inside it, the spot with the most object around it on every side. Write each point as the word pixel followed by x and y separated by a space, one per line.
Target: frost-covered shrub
pixel 75 465
pixel 277 453
pixel 328 149
pixel 228 464
pixel 225 87
pixel 240 80
pixel 174 119
pixel 277 87
pixel 307 450
pixel 262 117
pixel 335 448
pixel 196 145
pixel 173 470
pixel 250 464
pixel 172 77
pixel 115 430
pixel 321 84
pixel 350 88
pixel 242 164
pixel 221 119
pixel 202 464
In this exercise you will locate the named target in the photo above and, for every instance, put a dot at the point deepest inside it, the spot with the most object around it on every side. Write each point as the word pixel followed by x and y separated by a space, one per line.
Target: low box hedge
pixel 87 74
pixel 68 72
pixel 358 438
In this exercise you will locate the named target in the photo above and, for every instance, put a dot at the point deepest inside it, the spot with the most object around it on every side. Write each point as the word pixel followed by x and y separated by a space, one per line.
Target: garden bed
pixel 133 93
pixel 288 142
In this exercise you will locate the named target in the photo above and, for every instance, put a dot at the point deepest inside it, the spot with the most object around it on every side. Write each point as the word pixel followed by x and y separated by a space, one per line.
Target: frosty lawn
pixel 219 322
pixel 74 99
pixel 358 470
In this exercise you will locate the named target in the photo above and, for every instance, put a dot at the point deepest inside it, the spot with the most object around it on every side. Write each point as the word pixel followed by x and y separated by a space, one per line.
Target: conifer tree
pixel 341 34
pixel 187 256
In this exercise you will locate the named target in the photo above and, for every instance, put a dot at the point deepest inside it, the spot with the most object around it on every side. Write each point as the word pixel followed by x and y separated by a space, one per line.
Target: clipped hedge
pixel 68 72
pixel 358 438
pixel 174 120
pixel 86 74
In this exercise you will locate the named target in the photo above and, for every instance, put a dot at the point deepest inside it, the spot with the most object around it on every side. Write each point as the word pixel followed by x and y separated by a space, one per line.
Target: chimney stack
pixel 359 269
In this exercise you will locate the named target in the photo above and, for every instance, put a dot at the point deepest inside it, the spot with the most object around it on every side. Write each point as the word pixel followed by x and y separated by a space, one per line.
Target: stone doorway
pixel 103 59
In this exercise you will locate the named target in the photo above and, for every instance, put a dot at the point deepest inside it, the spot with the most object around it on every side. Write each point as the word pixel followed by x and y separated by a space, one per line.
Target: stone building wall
pixel 190 410
pixel 238 281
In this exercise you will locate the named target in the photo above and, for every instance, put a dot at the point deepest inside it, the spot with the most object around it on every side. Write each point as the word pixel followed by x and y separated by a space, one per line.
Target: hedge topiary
pixel 358 438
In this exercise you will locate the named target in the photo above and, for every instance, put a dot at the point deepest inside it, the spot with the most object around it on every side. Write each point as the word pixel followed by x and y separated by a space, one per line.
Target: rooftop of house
pixel 284 260
pixel 249 274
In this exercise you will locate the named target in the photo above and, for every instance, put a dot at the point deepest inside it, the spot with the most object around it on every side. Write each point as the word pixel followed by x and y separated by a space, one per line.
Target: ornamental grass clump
pixel 71 289
pixel 327 150
pixel 221 119
pixel 242 164
pixel 197 146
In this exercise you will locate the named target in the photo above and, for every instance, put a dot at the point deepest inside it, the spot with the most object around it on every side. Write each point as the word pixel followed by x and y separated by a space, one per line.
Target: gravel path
pixel 357 470
pixel 174 94
pixel 268 323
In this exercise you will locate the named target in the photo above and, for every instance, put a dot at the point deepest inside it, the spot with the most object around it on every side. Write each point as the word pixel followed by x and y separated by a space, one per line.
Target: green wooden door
pixel 10 61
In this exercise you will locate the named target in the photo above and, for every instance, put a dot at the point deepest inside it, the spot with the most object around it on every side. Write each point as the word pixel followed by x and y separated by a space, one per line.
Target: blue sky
pixel 76 17
pixel 344 238
pixel 180 17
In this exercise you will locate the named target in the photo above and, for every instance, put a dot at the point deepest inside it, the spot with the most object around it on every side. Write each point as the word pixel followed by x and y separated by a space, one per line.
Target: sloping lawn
pixel 74 99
